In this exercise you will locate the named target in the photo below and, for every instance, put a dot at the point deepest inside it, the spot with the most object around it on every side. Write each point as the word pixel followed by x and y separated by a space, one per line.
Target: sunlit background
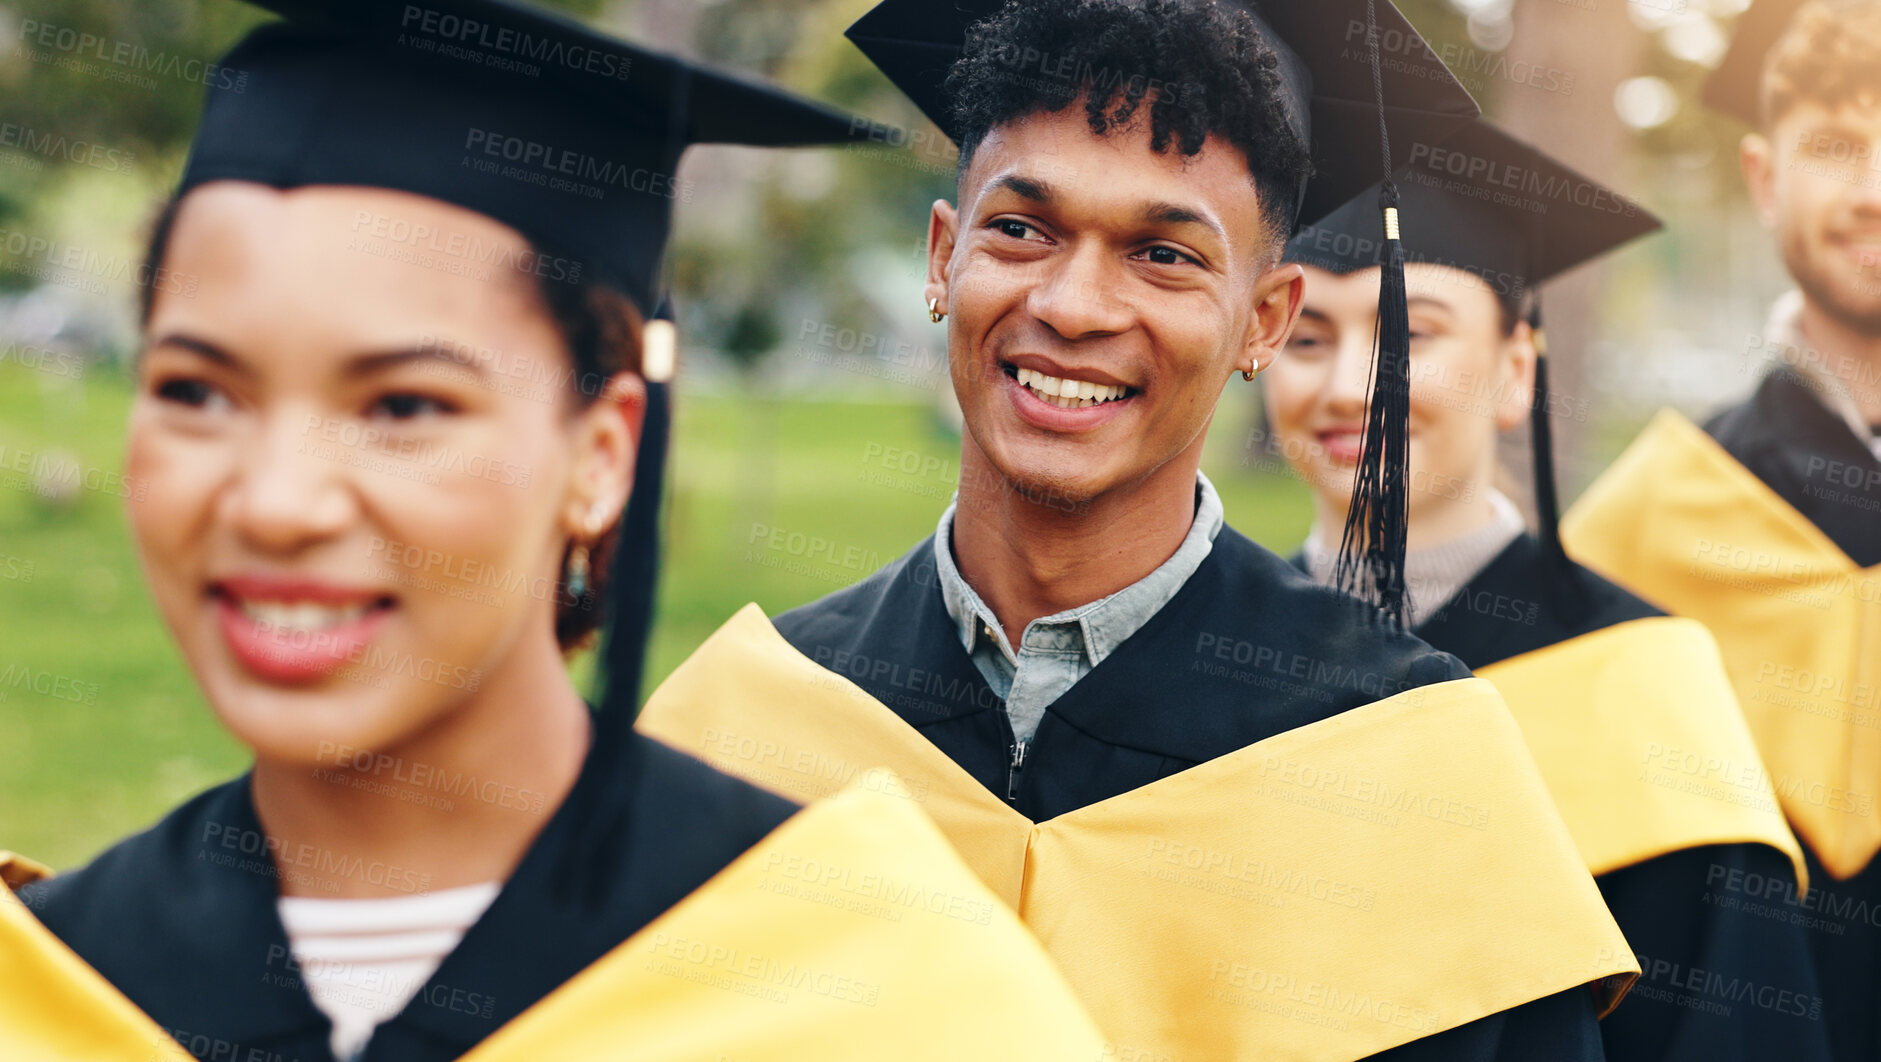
pixel 813 393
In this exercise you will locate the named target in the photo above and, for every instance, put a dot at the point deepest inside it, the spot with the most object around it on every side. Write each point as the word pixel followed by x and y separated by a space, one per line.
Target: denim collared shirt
pixel 1056 651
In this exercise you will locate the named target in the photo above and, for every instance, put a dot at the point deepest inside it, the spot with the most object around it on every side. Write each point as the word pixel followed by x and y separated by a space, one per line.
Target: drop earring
pixel 577 575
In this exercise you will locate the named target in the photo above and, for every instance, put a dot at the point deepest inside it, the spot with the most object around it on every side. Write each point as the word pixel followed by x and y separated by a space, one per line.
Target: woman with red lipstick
pixel 386 422
pixel 1596 677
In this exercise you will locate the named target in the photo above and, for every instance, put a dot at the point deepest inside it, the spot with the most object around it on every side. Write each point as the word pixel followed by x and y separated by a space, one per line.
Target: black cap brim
pixel 916 42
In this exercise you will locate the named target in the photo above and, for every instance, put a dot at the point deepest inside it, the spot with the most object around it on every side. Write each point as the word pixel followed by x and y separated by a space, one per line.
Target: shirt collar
pixel 1102 625
pixel 1782 332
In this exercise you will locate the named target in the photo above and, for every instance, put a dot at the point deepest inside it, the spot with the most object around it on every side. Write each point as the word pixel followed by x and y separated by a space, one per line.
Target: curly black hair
pixel 1202 65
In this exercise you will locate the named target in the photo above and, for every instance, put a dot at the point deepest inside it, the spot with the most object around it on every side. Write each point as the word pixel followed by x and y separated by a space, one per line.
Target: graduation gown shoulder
pixel 1233 768
pixel 1762 525
pixel 1247 649
pixel 1785 436
pixel 182 917
pixel 1669 882
pixel 669 913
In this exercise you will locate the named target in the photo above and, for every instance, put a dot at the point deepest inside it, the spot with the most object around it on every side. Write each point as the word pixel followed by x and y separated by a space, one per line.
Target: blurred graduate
pixel 1765 523
pixel 1602 684
pixel 441 850
pixel 1247 815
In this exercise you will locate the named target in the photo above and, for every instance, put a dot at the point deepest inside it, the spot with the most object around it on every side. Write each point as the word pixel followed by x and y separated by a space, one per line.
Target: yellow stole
pixel 1622 721
pixel 17 871
pixel 852 932
pixel 1323 895
pixel 1680 522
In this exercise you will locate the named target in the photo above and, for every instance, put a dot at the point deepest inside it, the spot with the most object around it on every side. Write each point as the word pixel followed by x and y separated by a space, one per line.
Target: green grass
pixel 76 775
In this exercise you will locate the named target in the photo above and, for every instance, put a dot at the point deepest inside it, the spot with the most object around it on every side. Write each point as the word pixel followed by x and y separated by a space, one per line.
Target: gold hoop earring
pixel 934 312
pixel 1249 374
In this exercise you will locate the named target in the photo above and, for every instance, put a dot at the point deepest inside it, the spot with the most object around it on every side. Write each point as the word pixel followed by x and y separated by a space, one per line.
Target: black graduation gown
pixel 1157 706
pixel 185 925
pixel 1663 905
pixel 1792 442
pixel 1806 454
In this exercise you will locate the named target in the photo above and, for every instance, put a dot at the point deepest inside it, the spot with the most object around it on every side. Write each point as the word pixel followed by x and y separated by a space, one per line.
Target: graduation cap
pixel 1325 69
pixel 1354 76
pixel 565 134
pixel 1492 205
pixel 1736 86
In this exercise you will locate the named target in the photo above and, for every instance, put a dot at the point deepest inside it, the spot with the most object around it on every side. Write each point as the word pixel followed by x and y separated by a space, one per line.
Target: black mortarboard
pixel 1484 202
pixel 1736 86
pixel 565 134
pixel 1489 204
pixel 1355 76
pixel 1325 66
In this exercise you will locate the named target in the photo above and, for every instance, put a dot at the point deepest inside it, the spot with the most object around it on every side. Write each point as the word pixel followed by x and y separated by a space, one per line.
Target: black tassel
pixel 1547 502
pixel 634 575
pixel 1372 545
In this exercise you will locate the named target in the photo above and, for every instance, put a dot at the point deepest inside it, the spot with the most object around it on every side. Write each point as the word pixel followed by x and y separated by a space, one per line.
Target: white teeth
pixel 1069 394
pixel 300 616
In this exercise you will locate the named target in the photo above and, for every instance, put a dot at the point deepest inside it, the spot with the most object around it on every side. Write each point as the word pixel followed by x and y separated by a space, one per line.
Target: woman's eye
pixel 193 393
pixel 1302 343
pixel 406 406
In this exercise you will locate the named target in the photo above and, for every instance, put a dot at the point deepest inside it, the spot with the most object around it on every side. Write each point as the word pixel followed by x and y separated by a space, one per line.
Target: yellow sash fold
pixel 1680 522
pixel 1323 895
pixel 1625 722
pixel 852 933
pixel 54 1008
pixel 17 871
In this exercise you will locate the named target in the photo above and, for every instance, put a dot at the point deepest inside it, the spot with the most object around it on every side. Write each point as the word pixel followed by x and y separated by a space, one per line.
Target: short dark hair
pixel 601 328
pixel 1202 65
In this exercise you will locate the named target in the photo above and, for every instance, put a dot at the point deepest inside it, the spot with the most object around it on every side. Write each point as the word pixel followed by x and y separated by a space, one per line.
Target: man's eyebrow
pixel 1026 188
pixel 1176 214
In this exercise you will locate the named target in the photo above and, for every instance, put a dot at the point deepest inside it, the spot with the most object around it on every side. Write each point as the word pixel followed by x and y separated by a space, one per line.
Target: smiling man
pixel 1765 523
pixel 1247 817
